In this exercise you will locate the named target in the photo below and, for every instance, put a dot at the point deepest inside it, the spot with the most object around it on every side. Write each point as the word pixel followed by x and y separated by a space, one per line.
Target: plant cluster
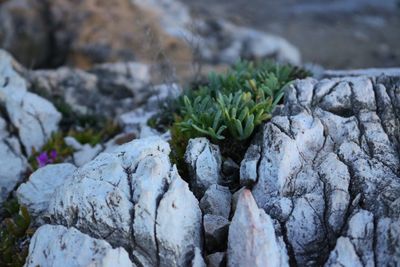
pixel 227 108
pixel 15 233
pixel 234 104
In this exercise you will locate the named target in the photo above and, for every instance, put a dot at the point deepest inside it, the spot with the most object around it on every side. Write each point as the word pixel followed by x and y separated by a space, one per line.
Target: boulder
pixel 333 148
pixel 132 197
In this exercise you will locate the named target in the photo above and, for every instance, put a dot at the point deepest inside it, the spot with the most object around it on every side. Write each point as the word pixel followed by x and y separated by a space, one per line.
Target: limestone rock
pixel 215 232
pixel 204 163
pixel 216 201
pixel 131 197
pixel 252 240
pixel 37 192
pixel 176 236
pixel 34 117
pixel 333 148
pixel 216 259
pixel 55 245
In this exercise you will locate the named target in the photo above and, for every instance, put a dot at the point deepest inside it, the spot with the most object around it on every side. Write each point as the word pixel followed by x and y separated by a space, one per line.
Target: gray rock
pixel 107 89
pixel 252 240
pixel 215 232
pixel 333 148
pixel 204 163
pixel 216 259
pixel 249 165
pixel 34 117
pixel 37 192
pixel 55 245
pixel 216 201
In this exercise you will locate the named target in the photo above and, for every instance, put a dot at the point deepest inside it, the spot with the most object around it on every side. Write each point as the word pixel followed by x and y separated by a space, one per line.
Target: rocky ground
pixel 341 34
pixel 319 184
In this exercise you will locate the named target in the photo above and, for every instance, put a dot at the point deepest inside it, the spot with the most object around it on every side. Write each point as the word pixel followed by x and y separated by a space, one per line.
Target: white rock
pixel 204 162
pixel 252 240
pixel 178 224
pixel 37 192
pixel 86 153
pixel 54 245
pixel 34 117
pixel 344 255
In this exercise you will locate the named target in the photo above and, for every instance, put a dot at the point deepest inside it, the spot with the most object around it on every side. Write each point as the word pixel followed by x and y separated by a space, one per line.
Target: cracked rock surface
pixel 132 197
pixel 55 245
pixel 34 117
pixel 328 171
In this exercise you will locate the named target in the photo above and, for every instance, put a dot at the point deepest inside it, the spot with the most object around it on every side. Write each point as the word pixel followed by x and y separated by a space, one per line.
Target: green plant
pixel 234 104
pixel 15 233
pixel 56 143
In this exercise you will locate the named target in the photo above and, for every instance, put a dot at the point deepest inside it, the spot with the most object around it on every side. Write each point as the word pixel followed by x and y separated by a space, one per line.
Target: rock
pixel 107 89
pixel 249 165
pixel 82 153
pixel 131 197
pixel 204 163
pixel 37 192
pixel 13 166
pixel 216 201
pixel 344 255
pixel 123 79
pixel 332 149
pixel 176 237
pixel 235 198
pixel 358 248
pixel 371 72
pixel 34 117
pixel 215 232
pixel 252 240
pixel 198 260
pixel 216 259
pixel 230 167
pixel 55 245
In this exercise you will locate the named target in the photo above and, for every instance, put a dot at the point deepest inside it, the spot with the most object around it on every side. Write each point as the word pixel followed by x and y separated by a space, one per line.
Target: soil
pixel 333 33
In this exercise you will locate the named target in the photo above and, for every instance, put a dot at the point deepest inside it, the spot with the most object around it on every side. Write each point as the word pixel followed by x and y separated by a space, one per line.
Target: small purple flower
pixel 42 159
pixel 53 155
pixel 45 158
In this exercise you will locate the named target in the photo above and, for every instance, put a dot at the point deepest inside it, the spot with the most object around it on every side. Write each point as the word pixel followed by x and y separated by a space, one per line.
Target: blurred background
pixel 332 33
pixel 174 34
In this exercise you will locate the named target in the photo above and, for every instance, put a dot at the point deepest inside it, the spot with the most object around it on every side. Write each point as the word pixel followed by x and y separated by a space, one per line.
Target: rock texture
pixel 328 171
pixel 34 117
pixel 132 197
pixel 204 162
pixel 252 240
pixel 55 245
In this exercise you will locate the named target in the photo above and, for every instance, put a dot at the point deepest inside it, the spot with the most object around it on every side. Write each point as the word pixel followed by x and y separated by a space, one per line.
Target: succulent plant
pixel 234 104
